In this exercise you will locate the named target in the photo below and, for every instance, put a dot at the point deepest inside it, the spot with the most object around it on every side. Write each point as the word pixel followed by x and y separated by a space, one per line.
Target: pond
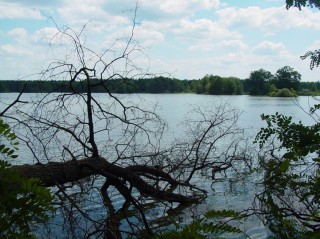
pixel 174 108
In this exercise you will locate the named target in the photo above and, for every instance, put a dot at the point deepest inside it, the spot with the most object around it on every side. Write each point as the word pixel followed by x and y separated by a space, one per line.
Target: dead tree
pixel 99 149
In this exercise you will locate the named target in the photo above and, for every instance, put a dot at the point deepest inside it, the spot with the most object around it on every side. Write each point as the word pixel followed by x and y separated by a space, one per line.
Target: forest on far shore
pixel 286 83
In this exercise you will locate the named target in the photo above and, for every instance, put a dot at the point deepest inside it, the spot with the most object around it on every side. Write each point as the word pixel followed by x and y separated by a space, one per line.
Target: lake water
pixel 251 108
pixel 174 107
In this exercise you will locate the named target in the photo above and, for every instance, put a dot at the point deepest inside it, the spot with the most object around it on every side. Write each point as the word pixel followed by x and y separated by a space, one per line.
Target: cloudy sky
pixel 186 38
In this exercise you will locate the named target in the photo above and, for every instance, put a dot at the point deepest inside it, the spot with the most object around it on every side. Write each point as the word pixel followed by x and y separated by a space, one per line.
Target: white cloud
pixel 189 38
pixel 237 59
pixel 14 50
pixel 202 46
pixel 143 35
pixel 269 19
pixel 148 37
pixel 19 35
pixel 270 48
pixel 38 3
pixel 202 29
pixel 227 45
pixel 78 12
pixel 314 46
pixel 14 11
pixel 182 6
pixel 45 35
pixel 200 34
pixel 234 44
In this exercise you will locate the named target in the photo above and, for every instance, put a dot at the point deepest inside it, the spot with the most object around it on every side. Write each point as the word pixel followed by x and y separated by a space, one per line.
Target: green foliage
pixel 299 140
pixel 22 201
pixel 259 82
pixel 302 3
pixel 287 77
pixel 314 57
pixel 228 85
pixel 290 199
pixel 285 83
pixel 283 93
pixel 307 92
pixel 217 85
pixel 210 226
pixel 8 142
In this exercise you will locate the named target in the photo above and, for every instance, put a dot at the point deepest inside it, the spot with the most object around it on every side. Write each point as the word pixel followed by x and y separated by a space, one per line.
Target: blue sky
pixel 184 38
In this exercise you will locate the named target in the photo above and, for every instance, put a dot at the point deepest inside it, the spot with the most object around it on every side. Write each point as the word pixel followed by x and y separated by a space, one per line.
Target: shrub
pixel 22 201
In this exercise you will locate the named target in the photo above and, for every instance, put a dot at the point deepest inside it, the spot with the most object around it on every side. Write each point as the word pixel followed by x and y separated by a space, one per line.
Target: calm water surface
pixel 174 107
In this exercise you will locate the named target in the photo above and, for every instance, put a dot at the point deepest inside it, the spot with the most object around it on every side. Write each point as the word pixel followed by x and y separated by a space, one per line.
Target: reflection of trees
pixel 96 150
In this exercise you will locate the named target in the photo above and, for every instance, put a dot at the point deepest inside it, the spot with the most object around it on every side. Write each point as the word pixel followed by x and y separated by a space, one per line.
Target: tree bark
pixel 55 173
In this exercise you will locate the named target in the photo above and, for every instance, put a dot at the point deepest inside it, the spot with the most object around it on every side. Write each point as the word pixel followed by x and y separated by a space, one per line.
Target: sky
pixel 185 39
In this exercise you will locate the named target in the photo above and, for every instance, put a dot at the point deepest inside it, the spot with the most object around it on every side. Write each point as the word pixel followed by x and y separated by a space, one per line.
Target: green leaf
pixel 284 165
pixel 10 152
pixel 221 213
pixel 289 155
pixel 5 150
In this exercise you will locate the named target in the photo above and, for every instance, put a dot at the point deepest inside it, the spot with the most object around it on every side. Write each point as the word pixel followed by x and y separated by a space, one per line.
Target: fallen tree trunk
pixel 58 173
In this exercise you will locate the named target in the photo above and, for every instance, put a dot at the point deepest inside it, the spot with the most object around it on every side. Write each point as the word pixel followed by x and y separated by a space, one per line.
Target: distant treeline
pixel 218 85
pixel 209 84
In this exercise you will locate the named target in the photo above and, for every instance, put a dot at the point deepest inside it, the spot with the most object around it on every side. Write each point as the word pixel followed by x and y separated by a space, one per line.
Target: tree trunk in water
pixel 55 173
